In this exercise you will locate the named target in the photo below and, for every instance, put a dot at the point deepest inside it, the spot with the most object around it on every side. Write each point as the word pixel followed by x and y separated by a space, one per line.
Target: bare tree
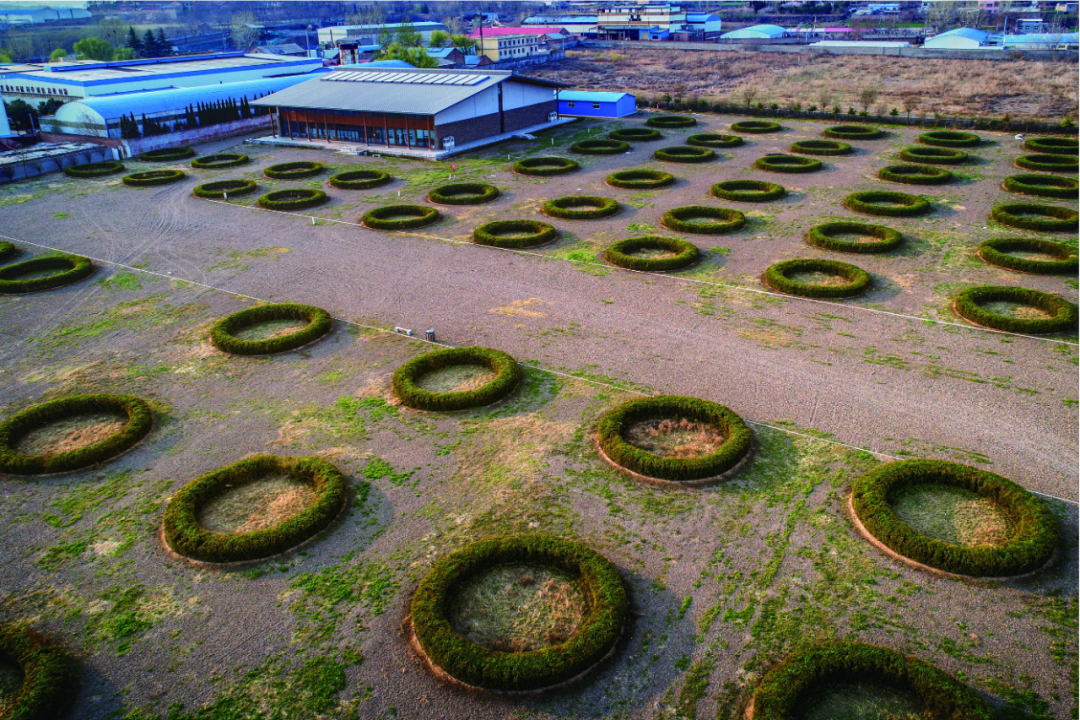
pixel 748 94
pixel 824 98
pixel 113 30
pixel 881 108
pixel 910 103
pixel 243 35
pixel 867 96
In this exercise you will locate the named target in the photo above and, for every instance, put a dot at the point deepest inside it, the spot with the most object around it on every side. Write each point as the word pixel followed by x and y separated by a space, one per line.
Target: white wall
pixel 516 94
pixel 485 102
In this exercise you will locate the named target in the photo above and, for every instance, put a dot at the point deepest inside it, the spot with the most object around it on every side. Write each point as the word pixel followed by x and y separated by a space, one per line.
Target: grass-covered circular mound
pixel 1048 163
pixel 675 253
pixel 221 160
pixel 186 536
pixel 779 277
pixel 950 138
pixel 997 252
pixel 359 179
pixel 406 382
pixel 640 179
pixel 154 177
pixel 479 666
pixel 635 134
pixel 581 207
pixel 933 155
pixel 915 174
pixel 400 217
pixel 1028 548
pixel 96 169
pixel 292 199
pixel 617 422
pixel 703 220
pixel 821 147
pixel 685 154
pixel 168 154
pixel 971 305
pixel 714 140
pixel 48 675
pixel 1052 145
pixel 463 194
pixel 747 190
pixel 223 333
pixel 1042 186
pixel 600 147
pixel 514 233
pixel 139 420
pixel 294 170
pixel 542 166
pixel 853 132
pixel 785 688
pixel 7 251
pixel 68 269
pixel 1032 216
pixel 670 121
pixel 756 126
pixel 221 188
pixel 824 236
pixel 887 204
pixel 787 164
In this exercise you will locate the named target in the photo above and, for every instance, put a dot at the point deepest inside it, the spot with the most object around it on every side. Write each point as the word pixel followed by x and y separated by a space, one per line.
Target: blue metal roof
pixel 702 17
pixel 755 31
pixel 970 33
pixel 586 96
pixel 385 64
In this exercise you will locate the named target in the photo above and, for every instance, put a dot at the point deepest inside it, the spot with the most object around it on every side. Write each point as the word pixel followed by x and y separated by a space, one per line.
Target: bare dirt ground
pixel 724 581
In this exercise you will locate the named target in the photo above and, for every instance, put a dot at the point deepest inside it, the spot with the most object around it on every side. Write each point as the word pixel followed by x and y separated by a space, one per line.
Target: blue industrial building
pixel 596 104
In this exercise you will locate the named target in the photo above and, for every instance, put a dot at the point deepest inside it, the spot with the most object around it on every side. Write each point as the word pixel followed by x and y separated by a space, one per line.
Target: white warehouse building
pixel 959 39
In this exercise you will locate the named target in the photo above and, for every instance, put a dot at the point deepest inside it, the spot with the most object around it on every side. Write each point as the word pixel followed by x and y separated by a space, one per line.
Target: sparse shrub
pixel 581 207
pixel 777 277
pixel 221 160
pixel 1042 186
pixel 154 177
pixel 714 140
pixel 853 132
pixel 507 378
pixel 400 217
pixel 359 179
pixel 670 121
pixel 1063 314
pixel 685 154
pixel 622 253
pixel 719 220
pixel 1049 218
pixel 545 166
pixel 223 333
pixel 168 154
pixel 640 179
pixel 823 236
pixel 933 155
pixel 48 675
pixel 463 194
pixel 600 147
pixel 915 174
pixel 220 188
pixel 756 126
pixel 635 134
pixel 1048 163
pixel 996 252
pixel 747 190
pixel 514 233
pixel 873 202
pixel 1052 145
pixel 787 164
pixel 70 268
pixel 292 199
pixel 93 170
pixel 949 138
pixel 821 147
pixel 294 170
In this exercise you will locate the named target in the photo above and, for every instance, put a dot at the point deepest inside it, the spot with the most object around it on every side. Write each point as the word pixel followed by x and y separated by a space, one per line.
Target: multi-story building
pixel 627 21
pixel 500 48
pixel 369 34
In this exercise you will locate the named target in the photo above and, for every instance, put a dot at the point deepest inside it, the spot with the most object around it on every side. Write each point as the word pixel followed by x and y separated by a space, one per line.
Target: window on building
pixel 596 106
pixel 376 135
pixel 570 104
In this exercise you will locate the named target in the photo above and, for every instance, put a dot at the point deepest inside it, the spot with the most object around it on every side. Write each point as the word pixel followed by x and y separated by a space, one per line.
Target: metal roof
pixel 702 17
pixel 586 96
pixel 970 33
pixel 127 71
pixel 755 31
pixel 1043 38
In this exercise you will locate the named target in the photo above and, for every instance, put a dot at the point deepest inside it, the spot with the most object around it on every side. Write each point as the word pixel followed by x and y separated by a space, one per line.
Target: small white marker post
pixel 226 196
pixel 312 219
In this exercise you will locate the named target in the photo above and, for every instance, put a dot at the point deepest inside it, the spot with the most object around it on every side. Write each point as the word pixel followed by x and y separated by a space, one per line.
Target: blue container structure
pixel 580 103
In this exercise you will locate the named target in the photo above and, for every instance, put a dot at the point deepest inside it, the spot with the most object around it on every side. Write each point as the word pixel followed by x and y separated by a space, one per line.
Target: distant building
pixel 350 53
pixel 707 24
pixel 1029 25
pixel 41 15
pixel 579 103
pixel 756 32
pixel 625 21
pixel 959 39
pixel 369 34
pixel 499 48
pixel 1043 41
pixel 291 49
pixel 453 57
pixel 576 24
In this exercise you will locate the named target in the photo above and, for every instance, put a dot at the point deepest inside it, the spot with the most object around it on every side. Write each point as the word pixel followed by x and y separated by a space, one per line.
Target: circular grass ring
pixel 787 164
pixel 821 147
pixel 221 188
pixel 478 666
pixel 7 251
pixel 996 252
pixel 784 689
pixel 756 126
pixel 640 179
pixel 600 147
pixel 853 132
pixel 543 166
pixel 721 220
pixel 1051 217
pixel 514 233
pixel 137 426
pixel 223 333
pixel 822 236
pixel 292 199
pixel 294 170
pixel 685 154
pixel 899 204
pixel 622 253
pixel 388 217
pixel 186 536
pixel 70 268
pixel 154 177
pixel 747 190
pixel 1052 145
pixel 1042 186
pixel 635 134
pixel 776 277
pixel 1048 163
pixel 735 447
pixel 93 170
pixel 463 194
pixel 1063 314
pixel 168 154
pixel 48 681
pixel 507 378
pixel 581 207
pixel 915 174
pixel 714 140
pixel 359 179
pixel 670 121
pixel 219 161
pixel 1028 549
pixel 950 138
pixel 933 155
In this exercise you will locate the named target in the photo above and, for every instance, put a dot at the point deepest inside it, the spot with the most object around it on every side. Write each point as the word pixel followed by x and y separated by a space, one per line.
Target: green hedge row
pixel 606 603
pixel 292 199
pixel 635 134
pixel 670 121
pixel 1048 163
pixel 168 154
pixel 389 217
pixel 1028 549
pixel 359 179
pixel 221 160
pixel 785 688
pixel 776 277
pixel 821 147
pixel 220 188
pixel 933 155
pixel 915 174
pixel 747 190
pixel 622 253
pixel 514 233
pixel 899 204
pixel 72 268
pixel 1042 186
pixel 640 179
pixel 154 177
pixel 294 170
pixel 723 219
pixel 581 207
pixel 7 251
pixel 853 132
pixel 93 170
pixel 1052 145
pixel 48 675
pixel 507 378
pixel 187 537
pixel 1063 314
pixel 140 419
pixel 996 252
pixel 1051 217
pixel 685 154
pixel 543 166
pixel 950 138
pixel 737 437
pixel 223 337
pixel 822 236
pixel 756 126
pixel 787 164
pixel 463 194
pixel 714 140
pixel 600 147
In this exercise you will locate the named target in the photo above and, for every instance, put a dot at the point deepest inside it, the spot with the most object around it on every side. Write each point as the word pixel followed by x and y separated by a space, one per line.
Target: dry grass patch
pixel 269 329
pixel 70 433
pixel 953 515
pixel 817 278
pixel 456 378
pixel 680 438
pixel 258 505
pixel 862 701
pixel 519 308
pixel 1020 311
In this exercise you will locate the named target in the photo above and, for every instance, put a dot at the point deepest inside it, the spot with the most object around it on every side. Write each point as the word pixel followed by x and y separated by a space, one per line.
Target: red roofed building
pixel 531 30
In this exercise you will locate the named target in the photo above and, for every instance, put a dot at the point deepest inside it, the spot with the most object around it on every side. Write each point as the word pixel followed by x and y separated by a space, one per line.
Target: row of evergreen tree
pixel 150 45
pixel 195 116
